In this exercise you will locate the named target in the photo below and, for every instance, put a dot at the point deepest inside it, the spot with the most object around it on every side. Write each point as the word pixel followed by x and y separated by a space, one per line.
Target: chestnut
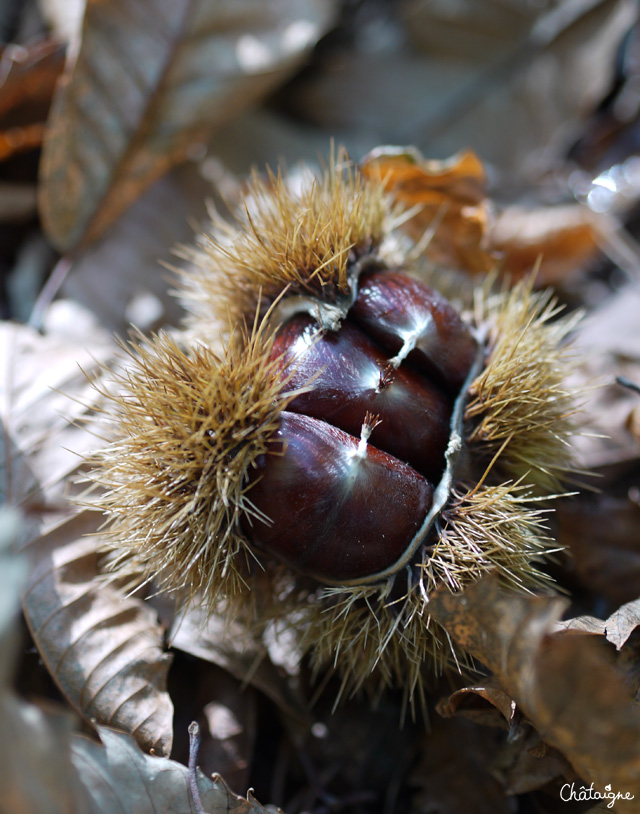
pixel 415 322
pixel 338 508
pixel 349 375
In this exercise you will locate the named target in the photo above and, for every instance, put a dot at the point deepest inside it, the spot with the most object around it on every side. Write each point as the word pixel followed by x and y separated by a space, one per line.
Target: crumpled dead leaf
pixel 527 764
pixel 150 82
pixel 485 703
pixel 115 775
pixel 44 445
pixel 608 346
pixel 616 629
pixel 225 642
pixel 601 532
pixel 558 241
pixel 104 651
pixel 512 81
pixel 450 200
pixel 231 728
pixel 122 271
pixel 44 767
pixel 35 772
pixel 455 772
pixel 523 762
pixel 459 226
pixel 565 683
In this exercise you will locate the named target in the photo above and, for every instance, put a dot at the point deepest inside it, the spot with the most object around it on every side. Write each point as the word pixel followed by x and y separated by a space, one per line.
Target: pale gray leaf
pixel 616 629
pixel 118 777
pixel 124 268
pixel 43 389
pixel 585 624
pixel 621 624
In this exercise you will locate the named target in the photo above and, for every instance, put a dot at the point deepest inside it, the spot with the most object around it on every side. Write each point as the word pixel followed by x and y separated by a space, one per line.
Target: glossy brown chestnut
pixel 393 307
pixel 351 376
pixel 339 509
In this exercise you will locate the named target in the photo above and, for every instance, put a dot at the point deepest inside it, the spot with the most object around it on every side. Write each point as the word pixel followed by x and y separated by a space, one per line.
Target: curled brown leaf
pixel 449 197
pixel 28 76
pixel 566 684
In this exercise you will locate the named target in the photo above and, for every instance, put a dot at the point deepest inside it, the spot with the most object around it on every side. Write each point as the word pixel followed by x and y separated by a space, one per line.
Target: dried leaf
pixel 511 81
pixel 466 233
pixel 486 704
pixel 633 423
pixel 117 776
pixel 104 651
pixel 151 80
pixel 28 75
pixel 566 685
pixel 450 199
pixel 601 532
pixel 117 274
pixel 561 239
pixel 225 642
pixel 35 772
pixel 455 773
pixel 226 713
pixel 12 574
pixel 44 768
pixel 621 624
pixel 616 629
pixel 35 767
pixel 525 763
pixel 585 624
pixel 43 389
pixel 608 343
pixel 261 137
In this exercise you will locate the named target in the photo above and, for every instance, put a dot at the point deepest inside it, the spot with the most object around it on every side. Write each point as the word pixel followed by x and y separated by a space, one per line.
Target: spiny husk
pixel 188 428
pixel 521 406
pixel 300 241
pixel 490 528
pixel 371 636
pixel 375 642
pixel 380 635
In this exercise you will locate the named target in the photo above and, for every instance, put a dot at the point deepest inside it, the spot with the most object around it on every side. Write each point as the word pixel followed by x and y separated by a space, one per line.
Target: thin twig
pixel 49 291
pixel 194 748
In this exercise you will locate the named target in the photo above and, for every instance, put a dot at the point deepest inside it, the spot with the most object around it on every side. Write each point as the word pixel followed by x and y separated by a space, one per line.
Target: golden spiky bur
pixel 360 435
pixel 188 428
pixel 306 243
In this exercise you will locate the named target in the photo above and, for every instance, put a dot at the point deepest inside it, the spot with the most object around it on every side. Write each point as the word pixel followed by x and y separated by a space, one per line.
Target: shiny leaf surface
pixel 151 81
